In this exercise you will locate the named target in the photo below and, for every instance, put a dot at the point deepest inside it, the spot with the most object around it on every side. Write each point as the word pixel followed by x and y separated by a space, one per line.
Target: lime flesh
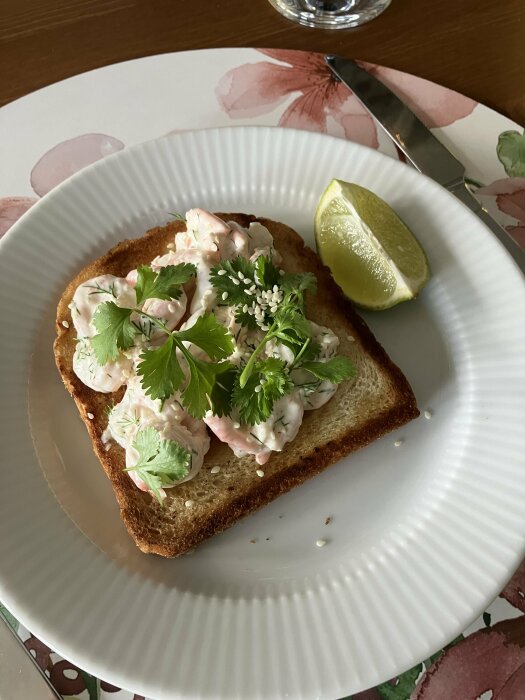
pixel 372 254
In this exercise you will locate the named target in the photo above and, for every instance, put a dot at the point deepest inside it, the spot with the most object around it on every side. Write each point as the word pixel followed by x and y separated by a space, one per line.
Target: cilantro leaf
pixel 335 370
pixel 164 284
pixel 245 319
pixel 224 284
pixel 209 335
pixel 291 325
pixel 266 273
pixel 255 404
pixel 197 398
pixel 221 392
pixel 298 284
pixel 160 371
pixel 161 462
pixel 115 331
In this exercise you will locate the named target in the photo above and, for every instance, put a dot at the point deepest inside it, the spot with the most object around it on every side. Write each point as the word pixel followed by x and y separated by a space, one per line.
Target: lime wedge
pixel 373 255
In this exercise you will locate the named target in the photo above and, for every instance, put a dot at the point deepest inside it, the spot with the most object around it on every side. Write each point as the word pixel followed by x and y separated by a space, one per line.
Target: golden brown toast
pixel 377 401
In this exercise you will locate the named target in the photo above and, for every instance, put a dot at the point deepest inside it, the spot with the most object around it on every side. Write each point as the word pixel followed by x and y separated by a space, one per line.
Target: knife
pixel 20 676
pixel 420 146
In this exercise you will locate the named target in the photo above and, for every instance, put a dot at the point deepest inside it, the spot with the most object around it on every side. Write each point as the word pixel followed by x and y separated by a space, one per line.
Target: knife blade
pixel 426 153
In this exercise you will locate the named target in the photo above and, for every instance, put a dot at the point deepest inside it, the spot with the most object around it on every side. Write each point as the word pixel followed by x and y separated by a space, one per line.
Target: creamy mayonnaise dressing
pixel 206 241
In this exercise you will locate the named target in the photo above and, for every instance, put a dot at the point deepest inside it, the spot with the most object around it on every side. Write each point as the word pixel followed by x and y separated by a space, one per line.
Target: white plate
pixel 423 536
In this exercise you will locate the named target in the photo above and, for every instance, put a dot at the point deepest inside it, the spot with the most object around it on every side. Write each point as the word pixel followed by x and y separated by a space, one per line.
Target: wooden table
pixel 473 46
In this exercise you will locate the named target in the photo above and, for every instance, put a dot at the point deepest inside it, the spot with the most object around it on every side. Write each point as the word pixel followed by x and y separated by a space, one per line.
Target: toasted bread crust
pixel 170 530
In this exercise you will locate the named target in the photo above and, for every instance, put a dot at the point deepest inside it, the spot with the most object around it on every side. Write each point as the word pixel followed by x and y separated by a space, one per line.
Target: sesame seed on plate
pixel 260 473
pixel 398 443
pixel 170 246
pixel 282 273
pixel 65 324
pixel 240 275
pixel 224 296
pixel 215 470
pixel 235 282
pixel 320 543
pixel 236 425
pixel 90 416
pixel 189 503
pixel 428 415
pixel 249 293
pixel 258 388
pixel 221 272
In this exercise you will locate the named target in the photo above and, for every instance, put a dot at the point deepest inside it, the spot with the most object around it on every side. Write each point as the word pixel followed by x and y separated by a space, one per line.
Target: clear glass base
pixel 330 14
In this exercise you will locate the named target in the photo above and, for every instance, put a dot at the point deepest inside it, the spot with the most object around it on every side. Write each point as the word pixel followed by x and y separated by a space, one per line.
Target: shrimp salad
pixel 272 365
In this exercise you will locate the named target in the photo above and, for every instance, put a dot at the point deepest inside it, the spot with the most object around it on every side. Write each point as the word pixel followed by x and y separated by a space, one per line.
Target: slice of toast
pixel 378 400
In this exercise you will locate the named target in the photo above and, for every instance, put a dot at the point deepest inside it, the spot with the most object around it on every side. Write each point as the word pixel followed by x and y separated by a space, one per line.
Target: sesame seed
pixel 236 426
pixel 248 281
pixel 249 292
pixel 428 415
pixel 258 388
pixel 252 288
pixel 260 473
pixel 264 327
pixel 224 296
pixel 350 338
pixel 108 446
pixel 235 282
pixel 90 416
pixel 170 246
pixel 215 470
pixel 282 273
pixel 221 272
pixel 398 443
pixel 65 324
pixel 275 288
pixel 320 543
pixel 251 311
pixel 189 503
pixel 240 275
pixel 245 308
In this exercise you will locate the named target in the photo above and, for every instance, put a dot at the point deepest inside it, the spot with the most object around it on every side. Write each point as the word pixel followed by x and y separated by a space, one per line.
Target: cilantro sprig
pixel 252 288
pixel 268 382
pixel 162 374
pixel 161 462
pixel 160 367
pixel 116 330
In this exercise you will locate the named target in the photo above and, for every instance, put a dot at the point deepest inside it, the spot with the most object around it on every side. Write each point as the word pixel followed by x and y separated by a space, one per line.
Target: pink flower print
pixel 510 199
pixel 434 105
pixel 68 157
pixel 11 209
pixel 489 660
pixel 320 102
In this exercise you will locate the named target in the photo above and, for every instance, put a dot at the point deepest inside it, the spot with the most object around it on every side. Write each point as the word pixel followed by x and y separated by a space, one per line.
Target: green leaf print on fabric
pixel 12 620
pixel 401 688
pixel 92 685
pixel 511 152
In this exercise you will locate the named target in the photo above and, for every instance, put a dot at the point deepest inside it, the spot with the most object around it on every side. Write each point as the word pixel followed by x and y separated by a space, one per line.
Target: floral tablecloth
pixel 295 89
